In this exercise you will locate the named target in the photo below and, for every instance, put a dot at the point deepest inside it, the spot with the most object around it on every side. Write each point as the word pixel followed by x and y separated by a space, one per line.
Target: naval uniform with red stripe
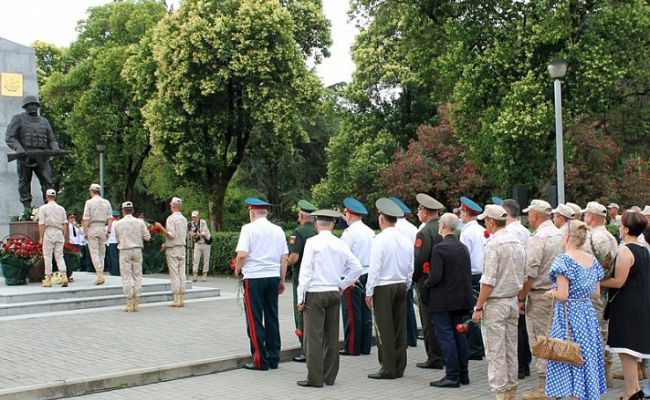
pixel 265 244
pixel 357 317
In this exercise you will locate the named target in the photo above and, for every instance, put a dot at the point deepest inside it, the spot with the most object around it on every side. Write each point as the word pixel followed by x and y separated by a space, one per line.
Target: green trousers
pixel 297 315
pixel 321 317
pixel 390 314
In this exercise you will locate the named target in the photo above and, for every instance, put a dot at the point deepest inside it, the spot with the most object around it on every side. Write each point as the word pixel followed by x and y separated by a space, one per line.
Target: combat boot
pixel 136 304
pixel 194 277
pixel 511 394
pixel 64 280
pixel 205 277
pixel 175 302
pixel 538 392
pixel 129 305
pixel 501 395
pixel 100 278
pixel 47 282
pixel 181 300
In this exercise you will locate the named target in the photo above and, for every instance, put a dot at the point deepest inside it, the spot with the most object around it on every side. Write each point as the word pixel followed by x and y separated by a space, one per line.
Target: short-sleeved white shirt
pixel 358 237
pixel 472 235
pixel 265 244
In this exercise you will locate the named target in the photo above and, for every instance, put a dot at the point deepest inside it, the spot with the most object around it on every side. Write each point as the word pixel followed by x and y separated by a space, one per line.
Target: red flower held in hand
pixel 486 233
pixel 426 267
pixel 464 327
pixel 299 333
pixel 233 263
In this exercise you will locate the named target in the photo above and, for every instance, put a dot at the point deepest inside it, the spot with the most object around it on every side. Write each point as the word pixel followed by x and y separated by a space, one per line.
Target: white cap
pixel 493 211
pixel 539 206
pixel 127 204
pixel 95 187
pixel 595 207
pixel 195 213
pixel 646 210
pixel 613 205
pixel 176 200
pixel 564 211
pixel 50 192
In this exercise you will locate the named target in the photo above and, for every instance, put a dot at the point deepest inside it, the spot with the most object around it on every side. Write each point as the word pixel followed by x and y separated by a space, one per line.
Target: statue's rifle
pixel 34 154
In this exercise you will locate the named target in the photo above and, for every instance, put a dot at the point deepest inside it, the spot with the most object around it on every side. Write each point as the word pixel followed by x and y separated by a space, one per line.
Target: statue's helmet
pixel 30 100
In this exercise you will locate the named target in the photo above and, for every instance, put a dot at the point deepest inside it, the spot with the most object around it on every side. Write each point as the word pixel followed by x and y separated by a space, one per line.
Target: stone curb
pixel 137 377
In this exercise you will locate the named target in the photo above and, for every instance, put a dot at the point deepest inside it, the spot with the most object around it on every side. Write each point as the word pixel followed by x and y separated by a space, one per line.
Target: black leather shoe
pixel 476 358
pixel 345 353
pixel 300 358
pixel 252 366
pixel 378 375
pixel 420 337
pixel 464 381
pixel 306 383
pixel 445 383
pixel 433 365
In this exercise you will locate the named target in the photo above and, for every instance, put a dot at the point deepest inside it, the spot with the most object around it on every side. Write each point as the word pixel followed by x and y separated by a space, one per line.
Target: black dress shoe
pixel 464 381
pixel 445 383
pixel 252 366
pixel 476 358
pixel 420 337
pixel 378 375
pixel 433 365
pixel 300 358
pixel 345 353
pixel 306 383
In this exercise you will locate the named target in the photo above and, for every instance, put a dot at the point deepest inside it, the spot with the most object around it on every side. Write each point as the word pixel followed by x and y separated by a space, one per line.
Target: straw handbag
pixel 566 351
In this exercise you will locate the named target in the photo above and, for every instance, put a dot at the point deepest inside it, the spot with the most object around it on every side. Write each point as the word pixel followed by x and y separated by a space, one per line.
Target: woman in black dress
pixel 629 305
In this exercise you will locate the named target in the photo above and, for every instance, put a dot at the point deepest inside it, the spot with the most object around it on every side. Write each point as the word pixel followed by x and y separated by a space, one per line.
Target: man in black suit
pixel 450 298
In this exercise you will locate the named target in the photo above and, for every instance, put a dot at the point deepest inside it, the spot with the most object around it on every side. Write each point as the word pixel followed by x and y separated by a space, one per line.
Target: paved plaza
pixel 75 345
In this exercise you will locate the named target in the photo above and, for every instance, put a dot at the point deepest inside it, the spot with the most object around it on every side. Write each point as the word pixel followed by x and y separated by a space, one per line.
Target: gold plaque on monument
pixel 11 84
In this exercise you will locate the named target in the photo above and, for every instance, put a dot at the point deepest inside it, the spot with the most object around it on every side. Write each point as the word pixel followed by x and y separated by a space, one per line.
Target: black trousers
pixel 44 174
pixel 411 322
pixel 475 338
pixel 523 350
pixel 261 305
pixel 357 320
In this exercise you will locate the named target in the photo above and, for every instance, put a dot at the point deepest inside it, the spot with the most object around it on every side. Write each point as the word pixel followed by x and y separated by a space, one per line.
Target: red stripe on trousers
pixel 257 361
pixel 348 300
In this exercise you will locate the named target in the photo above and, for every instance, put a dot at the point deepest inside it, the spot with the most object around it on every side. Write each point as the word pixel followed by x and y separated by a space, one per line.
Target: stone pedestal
pixel 29 229
pixel 17 79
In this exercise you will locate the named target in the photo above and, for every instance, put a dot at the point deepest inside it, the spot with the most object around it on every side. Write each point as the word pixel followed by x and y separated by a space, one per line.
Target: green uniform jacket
pixel 426 238
pixel 298 239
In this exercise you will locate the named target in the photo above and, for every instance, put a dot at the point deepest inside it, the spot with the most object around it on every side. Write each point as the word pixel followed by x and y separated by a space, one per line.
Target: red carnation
pixel 426 267
pixel 299 333
pixel 486 233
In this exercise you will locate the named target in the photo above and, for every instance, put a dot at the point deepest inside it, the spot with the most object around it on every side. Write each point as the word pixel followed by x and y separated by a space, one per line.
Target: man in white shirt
pixel 473 236
pixel 389 277
pixel 262 255
pixel 325 260
pixel 406 228
pixel 357 317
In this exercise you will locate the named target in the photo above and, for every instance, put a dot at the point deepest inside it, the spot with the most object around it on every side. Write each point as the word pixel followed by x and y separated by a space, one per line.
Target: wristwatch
pixel 478 309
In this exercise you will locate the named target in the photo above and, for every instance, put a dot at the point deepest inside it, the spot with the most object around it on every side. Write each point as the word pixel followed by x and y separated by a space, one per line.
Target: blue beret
pixel 497 200
pixel 252 201
pixel 400 204
pixel 355 206
pixel 470 204
pixel 116 213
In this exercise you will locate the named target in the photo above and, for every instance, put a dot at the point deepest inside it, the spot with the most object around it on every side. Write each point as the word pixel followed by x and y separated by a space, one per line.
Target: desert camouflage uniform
pixel 503 269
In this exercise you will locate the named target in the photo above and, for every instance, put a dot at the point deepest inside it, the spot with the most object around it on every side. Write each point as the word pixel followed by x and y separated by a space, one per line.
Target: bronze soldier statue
pixel 31 137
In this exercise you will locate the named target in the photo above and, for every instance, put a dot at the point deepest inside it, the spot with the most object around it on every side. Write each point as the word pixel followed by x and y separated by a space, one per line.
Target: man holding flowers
pixel 496 307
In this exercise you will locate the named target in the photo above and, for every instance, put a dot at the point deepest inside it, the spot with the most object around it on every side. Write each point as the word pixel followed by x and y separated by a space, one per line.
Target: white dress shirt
pixel 472 235
pixel 407 229
pixel 358 237
pixel 519 231
pixel 265 244
pixel 325 260
pixel 391 260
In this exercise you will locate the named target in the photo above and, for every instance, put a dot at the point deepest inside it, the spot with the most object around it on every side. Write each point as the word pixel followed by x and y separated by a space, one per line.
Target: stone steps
pixel 82 294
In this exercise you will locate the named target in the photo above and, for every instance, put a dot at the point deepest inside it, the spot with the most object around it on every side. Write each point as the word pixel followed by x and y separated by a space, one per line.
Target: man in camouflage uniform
pixel 296 246
pixel 502 278
pixel 25 132
pixel 426 238
pixel 604 247
pixel 130 233
pixel 97 222
pixel 175 230
pixel 541 250
pixel 52 227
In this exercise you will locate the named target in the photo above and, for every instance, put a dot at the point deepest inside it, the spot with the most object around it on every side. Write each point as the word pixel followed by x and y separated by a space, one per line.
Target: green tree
pixel 231 73
pixel 94 102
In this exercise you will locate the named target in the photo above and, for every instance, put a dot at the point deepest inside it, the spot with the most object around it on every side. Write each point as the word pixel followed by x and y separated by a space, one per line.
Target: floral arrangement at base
pixel 18 254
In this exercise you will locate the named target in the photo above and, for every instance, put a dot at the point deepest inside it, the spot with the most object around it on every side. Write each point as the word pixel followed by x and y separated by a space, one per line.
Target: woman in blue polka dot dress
pixel 575 275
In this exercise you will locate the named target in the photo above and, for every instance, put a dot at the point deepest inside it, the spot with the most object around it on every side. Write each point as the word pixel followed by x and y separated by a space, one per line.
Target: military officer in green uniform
pixel 428 213
pixel 296 248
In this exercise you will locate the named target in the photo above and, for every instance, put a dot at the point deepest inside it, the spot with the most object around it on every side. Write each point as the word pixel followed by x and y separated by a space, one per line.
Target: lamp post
pixel 101 148
pixel 557 70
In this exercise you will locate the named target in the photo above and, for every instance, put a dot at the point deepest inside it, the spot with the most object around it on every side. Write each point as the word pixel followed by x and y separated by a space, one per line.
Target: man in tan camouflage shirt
pixel 541 250
pixel 130 233
pixel 97 216
pixel 502 279
pixel 53 227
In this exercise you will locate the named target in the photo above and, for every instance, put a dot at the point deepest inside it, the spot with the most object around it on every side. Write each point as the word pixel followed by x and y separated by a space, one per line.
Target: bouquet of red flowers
pixel 20 248
pixel 154 230
pixel 69 248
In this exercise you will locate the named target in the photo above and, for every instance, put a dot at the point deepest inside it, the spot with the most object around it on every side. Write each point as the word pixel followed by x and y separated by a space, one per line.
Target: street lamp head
pixel 101 148
pixel 557 69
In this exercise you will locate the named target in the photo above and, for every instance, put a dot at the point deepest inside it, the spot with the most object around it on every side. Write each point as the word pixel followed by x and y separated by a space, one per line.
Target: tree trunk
pixel 215 204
